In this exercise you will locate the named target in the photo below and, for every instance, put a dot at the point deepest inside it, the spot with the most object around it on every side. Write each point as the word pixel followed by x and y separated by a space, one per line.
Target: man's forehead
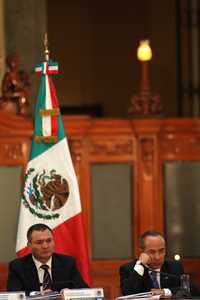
pixel 154 242
pixel 41 233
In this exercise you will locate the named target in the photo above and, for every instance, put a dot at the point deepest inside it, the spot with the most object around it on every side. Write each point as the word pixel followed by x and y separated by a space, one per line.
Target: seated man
pixel 43 270
pixel 151 272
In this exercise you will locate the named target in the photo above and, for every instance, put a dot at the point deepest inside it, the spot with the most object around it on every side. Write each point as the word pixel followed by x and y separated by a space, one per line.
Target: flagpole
pixel 46 50
pixel 51 193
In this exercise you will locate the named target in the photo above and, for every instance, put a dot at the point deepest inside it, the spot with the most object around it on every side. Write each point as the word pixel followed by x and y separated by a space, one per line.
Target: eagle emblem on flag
pixel 45 193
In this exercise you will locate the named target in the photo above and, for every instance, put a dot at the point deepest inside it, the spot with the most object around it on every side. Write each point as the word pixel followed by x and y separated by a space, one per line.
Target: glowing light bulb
pixel 177 257
pixel 144 52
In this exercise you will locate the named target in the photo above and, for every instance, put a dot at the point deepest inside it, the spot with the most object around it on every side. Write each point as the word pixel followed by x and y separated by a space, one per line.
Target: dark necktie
pixel 154 279
pixel 46 284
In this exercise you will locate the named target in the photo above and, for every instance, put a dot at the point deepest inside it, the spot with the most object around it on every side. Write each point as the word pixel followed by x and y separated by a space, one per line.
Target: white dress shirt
pixel 40 271
pixel 139 268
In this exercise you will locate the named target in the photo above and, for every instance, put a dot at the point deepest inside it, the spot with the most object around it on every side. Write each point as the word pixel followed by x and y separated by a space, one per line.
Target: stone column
pixel 25 26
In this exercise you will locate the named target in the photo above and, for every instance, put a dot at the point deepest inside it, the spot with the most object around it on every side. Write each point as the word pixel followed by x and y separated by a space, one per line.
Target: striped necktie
pixel 46 284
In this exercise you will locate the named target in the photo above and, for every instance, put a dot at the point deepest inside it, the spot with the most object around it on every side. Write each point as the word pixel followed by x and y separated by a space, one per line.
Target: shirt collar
pixel 157 270
pixel 38 264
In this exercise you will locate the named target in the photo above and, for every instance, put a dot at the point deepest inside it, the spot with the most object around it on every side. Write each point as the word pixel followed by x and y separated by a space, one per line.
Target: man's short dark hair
pixel 37 227
pixel 148 233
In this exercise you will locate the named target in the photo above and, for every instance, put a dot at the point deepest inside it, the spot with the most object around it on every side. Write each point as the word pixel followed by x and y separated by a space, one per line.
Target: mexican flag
pixel 51 194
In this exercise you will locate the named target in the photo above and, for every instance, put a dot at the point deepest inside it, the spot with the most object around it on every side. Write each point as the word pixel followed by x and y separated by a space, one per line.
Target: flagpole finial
pixel 46 50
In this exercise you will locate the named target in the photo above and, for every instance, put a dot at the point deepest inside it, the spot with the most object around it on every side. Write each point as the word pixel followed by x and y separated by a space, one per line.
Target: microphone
pixel 180 289
pixel 164 280
pixel 165 273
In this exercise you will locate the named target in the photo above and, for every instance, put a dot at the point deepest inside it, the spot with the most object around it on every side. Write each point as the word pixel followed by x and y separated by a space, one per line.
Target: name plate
pixel 96 294
pixel 13 296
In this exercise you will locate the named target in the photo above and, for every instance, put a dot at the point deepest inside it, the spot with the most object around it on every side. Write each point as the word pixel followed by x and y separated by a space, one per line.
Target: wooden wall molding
pixel 11 152
pixel 144 144
pixel 185 146
pixel 111 147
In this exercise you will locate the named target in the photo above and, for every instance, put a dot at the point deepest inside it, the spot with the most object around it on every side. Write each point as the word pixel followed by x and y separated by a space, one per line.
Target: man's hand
pixel 46 291
pixel 144 258
pixel 158 292
pixel 62 292
pixel 161 293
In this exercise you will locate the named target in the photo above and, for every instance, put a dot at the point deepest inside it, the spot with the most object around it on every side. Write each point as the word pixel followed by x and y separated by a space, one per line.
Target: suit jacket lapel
pixel 56 270
pixel 167 278
pixel 148 281
pixel 31 274
pixel 164 278
pixel 59 275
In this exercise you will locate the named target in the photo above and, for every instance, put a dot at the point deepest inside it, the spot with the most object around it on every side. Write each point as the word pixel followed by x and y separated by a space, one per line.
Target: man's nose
pixel 44 244
pixel 157 255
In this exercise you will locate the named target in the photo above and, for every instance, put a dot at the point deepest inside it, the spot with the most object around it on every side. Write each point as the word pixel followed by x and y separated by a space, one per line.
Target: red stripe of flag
pixel 54 119
pixel 69 240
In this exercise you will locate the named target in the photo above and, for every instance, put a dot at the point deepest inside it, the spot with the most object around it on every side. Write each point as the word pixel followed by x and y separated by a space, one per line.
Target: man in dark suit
pixel 151 272
pixel 43 270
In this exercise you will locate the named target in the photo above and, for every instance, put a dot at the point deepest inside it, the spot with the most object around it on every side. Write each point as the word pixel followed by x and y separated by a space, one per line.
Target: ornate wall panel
pixel 144 145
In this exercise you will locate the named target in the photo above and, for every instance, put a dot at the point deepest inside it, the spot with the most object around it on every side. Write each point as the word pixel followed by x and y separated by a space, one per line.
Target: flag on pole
pixel 51 194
